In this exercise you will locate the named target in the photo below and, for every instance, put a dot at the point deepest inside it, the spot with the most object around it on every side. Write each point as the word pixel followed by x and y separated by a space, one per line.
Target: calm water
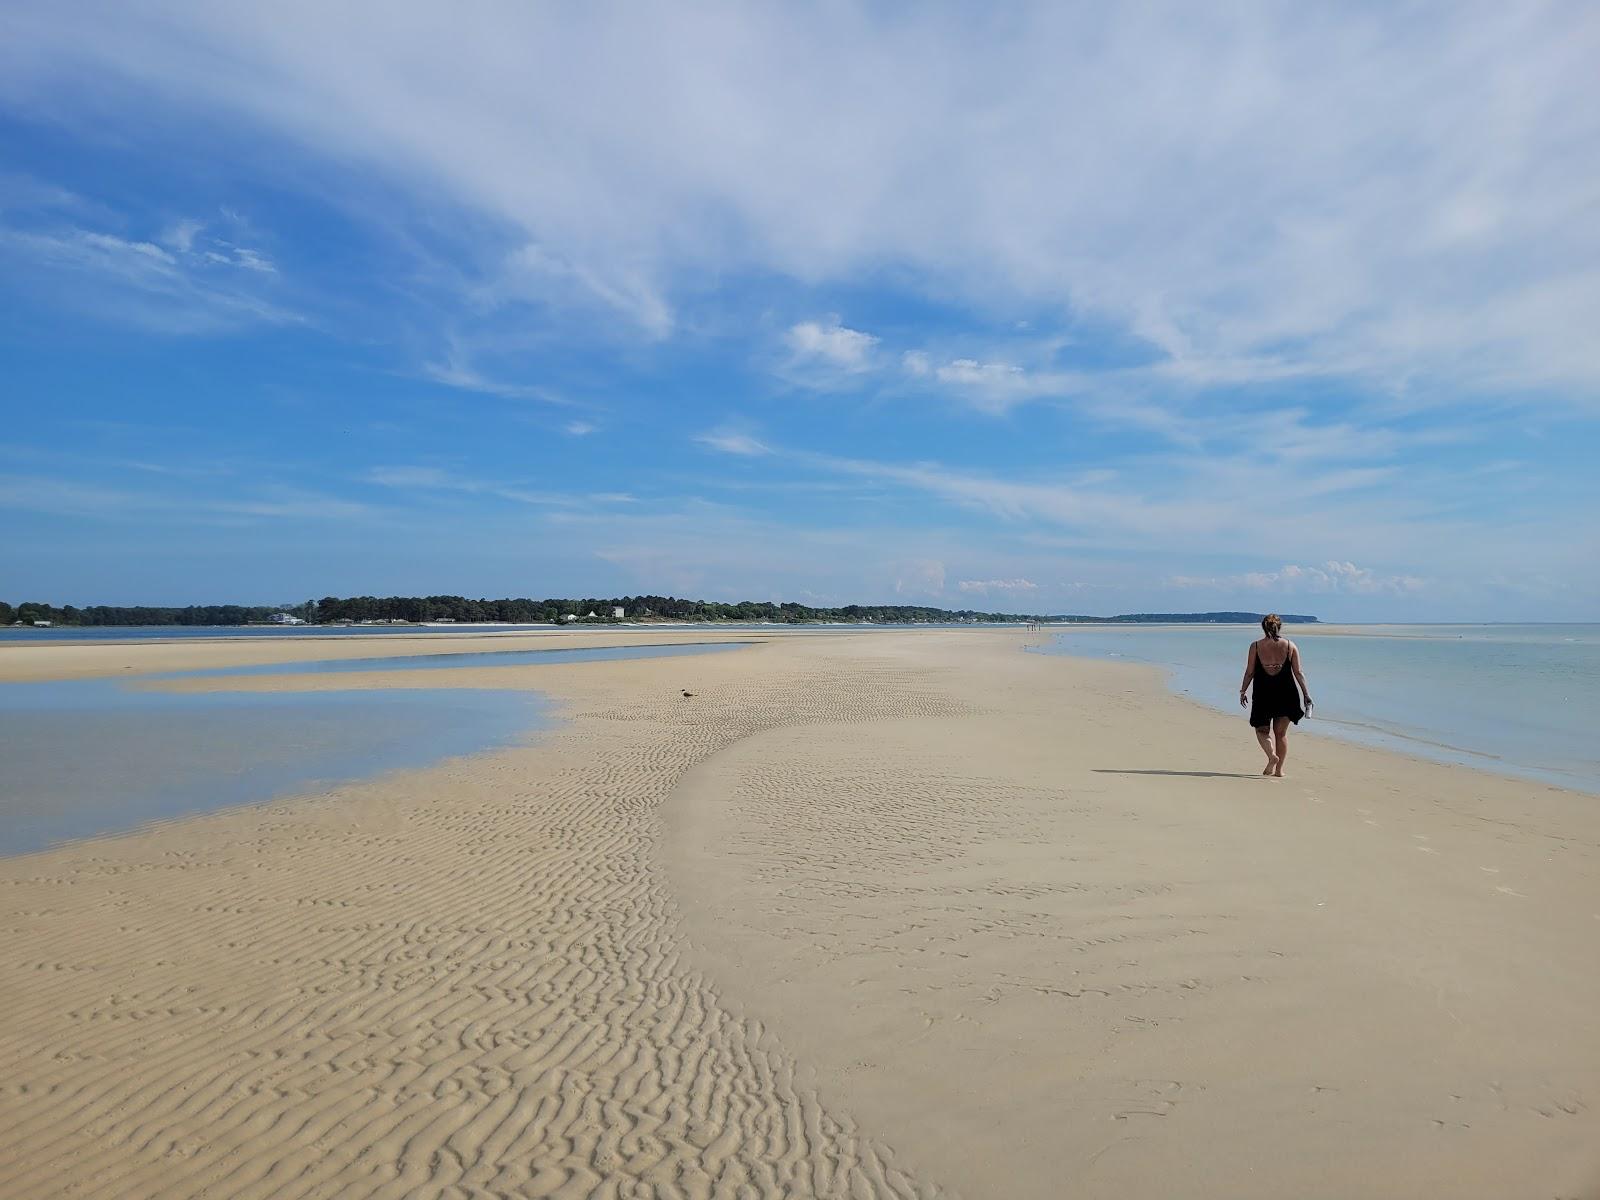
pixel 1520 700
pixel 146 633
pixel 86 757
pixel 470 658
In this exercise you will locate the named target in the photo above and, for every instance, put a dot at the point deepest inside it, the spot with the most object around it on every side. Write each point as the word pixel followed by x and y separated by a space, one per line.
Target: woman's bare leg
pixel 1280 735
pixel 1264 736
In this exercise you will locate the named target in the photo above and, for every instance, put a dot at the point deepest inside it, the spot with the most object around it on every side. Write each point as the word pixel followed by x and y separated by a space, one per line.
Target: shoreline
pixel 1370 732
pixel 639 950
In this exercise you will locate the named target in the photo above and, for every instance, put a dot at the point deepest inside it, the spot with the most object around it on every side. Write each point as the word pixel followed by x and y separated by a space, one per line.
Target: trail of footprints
pixel 1367 819
pixel 489 1002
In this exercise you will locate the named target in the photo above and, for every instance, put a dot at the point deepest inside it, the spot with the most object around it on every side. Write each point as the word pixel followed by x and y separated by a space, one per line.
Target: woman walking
pixel 1273 667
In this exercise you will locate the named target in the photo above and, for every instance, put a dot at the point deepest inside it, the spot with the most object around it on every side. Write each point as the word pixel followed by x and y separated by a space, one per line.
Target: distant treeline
pixel 106 614
pixel 533 612
pixel 670 608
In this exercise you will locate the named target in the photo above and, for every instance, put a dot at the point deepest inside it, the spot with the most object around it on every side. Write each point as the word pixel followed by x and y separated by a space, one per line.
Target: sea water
pixel 85 757
pixel 468 658
pixel 163 633
pixel 1520 700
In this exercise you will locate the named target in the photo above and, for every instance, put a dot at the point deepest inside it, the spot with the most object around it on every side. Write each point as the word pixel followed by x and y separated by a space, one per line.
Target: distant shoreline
pixel 19 628
pixel 379 611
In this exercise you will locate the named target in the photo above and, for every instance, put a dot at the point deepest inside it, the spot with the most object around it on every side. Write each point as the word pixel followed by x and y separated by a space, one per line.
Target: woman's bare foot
pixel 1277 770
pixel 1272 768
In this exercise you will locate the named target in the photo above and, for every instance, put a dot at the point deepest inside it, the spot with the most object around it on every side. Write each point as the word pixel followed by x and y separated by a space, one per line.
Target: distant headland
pixel 419 610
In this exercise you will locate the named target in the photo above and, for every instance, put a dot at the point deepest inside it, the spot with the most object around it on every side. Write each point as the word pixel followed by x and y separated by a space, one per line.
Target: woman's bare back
pixel 1274 653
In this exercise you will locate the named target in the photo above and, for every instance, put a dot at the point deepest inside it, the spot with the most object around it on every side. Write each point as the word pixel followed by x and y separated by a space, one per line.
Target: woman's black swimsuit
pixel 1273 694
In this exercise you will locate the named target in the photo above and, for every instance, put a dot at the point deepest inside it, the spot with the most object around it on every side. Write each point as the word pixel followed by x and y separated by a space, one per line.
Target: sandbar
pixel 904 913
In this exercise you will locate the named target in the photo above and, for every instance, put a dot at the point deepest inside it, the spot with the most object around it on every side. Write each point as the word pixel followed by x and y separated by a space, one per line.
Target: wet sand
pixel 896 914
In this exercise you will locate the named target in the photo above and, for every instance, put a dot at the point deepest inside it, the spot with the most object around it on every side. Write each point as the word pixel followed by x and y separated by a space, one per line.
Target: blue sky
pixel 1053 309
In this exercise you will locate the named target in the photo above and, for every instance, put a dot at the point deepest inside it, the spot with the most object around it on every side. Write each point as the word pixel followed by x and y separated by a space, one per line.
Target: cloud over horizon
pixel 1148 300
pixel 1384 193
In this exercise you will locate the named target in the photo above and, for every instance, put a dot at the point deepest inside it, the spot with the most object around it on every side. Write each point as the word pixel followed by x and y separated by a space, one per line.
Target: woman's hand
pixel 1308 704
pixel 1242 700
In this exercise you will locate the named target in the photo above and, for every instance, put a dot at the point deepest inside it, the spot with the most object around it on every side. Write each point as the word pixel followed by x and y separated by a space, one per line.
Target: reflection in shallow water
pixel 471 658
pixel 87 757
pixel 90 757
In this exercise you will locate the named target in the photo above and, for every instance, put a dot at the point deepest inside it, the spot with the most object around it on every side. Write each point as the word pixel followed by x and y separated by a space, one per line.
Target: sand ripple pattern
pixel 464 982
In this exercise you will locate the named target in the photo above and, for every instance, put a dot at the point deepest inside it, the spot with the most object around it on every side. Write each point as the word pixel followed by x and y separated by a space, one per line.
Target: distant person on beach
pixel 1273 667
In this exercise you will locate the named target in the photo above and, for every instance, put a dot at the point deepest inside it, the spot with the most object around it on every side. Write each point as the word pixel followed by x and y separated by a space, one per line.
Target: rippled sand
pixel 898 914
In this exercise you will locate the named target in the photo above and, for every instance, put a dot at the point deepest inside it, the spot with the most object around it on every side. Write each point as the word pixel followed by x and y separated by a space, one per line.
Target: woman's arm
pixel 1294 665
pixel 1249 669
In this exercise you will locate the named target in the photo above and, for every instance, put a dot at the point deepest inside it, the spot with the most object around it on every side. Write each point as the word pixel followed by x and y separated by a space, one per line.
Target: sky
pixel 1032 308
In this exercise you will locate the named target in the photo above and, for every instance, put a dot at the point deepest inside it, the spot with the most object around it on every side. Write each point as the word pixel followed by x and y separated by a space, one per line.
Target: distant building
pixel 619 612
pixel 570 617
pixel 43 624
pixel 285 619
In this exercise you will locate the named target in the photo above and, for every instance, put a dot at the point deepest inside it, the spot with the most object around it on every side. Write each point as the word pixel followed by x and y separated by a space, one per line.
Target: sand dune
pixel 868 916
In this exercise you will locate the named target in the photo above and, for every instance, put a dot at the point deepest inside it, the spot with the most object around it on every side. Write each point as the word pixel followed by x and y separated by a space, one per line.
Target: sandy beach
pixel 902 914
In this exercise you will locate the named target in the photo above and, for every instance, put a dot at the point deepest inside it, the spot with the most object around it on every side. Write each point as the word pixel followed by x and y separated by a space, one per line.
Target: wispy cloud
pixel 183 287
pixel 919 577
pixel 1330 577
pixel 73 498
pixel 832 344
pixel 1397 194
pixel 730 441
pixel 1006 586
pixel 438 480
pixel 1106 286
pixel 455 373
pixel 994 387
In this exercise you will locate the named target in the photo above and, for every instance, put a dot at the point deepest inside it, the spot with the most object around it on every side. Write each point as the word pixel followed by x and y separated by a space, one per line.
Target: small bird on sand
pixel 687 694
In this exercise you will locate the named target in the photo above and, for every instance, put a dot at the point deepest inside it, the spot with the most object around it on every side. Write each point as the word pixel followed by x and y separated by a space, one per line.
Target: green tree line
pixel 107 614
pixel 533 612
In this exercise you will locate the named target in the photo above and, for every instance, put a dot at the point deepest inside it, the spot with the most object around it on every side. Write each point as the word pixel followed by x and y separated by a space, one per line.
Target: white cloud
pixel 580 428
pixel 457 374
pixel 1394 192
pixel 180 235
pixel 421 480
pixel 732 442
pixel 1332 576
pixel 996 387
pixel 252 260
pixel 188 239
pixel 435 479
pixel 1082 504
pixel 536 273
pixel 409 477
pixel 920 577
pixel 831 343
pixel 64 497
pixel 178 288
pixel 984 586
pixel 1166 505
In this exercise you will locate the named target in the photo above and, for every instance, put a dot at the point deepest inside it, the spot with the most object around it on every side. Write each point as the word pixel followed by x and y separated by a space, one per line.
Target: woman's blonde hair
pixel 1271 623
